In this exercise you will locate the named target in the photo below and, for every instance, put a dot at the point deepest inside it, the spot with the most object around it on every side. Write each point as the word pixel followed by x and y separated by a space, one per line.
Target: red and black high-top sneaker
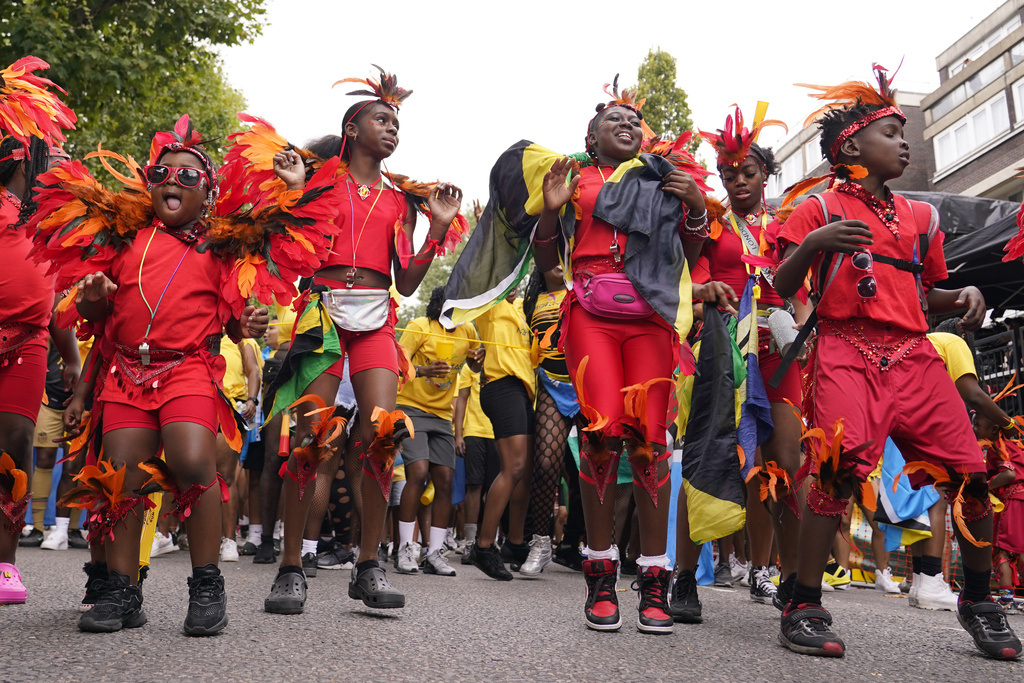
pixel 652 585
pixel 602 607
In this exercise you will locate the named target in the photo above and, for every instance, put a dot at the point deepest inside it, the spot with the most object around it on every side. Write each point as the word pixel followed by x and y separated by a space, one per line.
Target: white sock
pixel 645 561
pixel 611 553
pixel 255 534
pixel 277 530
pixel 244 521
pixel 405 532
pixel 451 531
pixel 471 533
pixel 437 536
pixel 308 546
pixel 62 525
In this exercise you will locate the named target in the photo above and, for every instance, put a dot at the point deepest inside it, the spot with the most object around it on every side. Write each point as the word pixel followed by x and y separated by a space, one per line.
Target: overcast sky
pixel 487 74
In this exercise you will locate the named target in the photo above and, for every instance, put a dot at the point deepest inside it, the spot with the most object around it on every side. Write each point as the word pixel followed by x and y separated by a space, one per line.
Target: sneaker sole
pixel 688 618
pixel 407 571
pixel 164 551
pixel 198 631
pixel 813 651
pixel 763 599
pixel 653 629
pixel 91 626
pixel 283 606
pixel 333 567
pixel 434 572
pixel 604 627
pixel 935 608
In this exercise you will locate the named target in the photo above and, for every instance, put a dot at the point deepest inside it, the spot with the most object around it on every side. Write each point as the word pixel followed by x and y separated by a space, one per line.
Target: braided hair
pixel 36 163
pixel 834 121
pixel 766 157
pixel 536 286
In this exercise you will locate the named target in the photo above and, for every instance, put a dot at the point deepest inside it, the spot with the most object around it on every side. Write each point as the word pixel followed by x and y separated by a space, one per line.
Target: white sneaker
pixel 934 593
pixel 57 540
pixel 451 544
pixel 540 556
pixel 228 550
pixel 884 582
pixel 826 587
pixel 912 593
pixel 740 571
pixel 435 563
pixel 162 545
pixel 408 560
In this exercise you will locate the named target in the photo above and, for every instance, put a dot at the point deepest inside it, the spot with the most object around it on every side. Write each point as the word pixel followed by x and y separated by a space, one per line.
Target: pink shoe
pixel 12 590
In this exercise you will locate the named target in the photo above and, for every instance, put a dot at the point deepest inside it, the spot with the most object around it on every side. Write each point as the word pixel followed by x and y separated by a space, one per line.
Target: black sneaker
pixel 372 587
pixel 986 622
pixel 628 567
pixel 288 594
pixel 515 554
pixel 336 558
pixel 488 560
pixel 248 548
pixel 785 593
pixel 264 554
pixel 309 565
pixel 467 553
pixel 96 577
pixel 118 605
pixel 76 540
pixel 685 606
pixel 807 630
pixel 32 539
pixel 652 585
pixel 207 602
pixel 568 555
pixel 601 609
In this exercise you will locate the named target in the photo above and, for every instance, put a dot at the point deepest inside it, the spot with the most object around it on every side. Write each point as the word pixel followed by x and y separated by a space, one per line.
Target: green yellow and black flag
pixel 712 481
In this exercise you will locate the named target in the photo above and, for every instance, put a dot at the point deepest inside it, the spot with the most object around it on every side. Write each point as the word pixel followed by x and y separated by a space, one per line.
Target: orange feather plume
pixel 12 480
pixel 852 92
pixel 28 109
pixel 832 464
pixel 386 89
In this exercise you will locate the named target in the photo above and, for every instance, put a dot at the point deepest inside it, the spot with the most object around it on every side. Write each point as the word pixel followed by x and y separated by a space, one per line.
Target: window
pixel 1017 53
pixel 812 153
pixel 792 170
pixel 1018 99
pixel 973 131
pixel 985 45
pixel 972 86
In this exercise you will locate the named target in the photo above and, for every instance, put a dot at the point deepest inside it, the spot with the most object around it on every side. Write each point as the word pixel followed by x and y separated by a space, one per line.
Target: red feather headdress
pixel 732 143
pixel 386 90
pixel 27 108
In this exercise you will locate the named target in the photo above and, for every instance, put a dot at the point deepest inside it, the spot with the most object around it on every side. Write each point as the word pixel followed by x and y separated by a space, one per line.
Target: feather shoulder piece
pixel 80 225
pixel 28 108
pixel 418 193
pixel 678 153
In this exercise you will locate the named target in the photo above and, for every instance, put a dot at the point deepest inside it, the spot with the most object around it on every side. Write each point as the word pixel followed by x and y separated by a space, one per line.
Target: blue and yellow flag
pixel 902 514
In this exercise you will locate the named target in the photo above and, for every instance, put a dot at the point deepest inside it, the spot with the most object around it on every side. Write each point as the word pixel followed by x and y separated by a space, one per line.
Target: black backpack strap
pixel 826 274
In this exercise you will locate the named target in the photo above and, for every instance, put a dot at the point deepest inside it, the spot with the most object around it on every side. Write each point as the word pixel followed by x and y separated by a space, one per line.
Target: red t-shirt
pixel 27 289
pixel 721 260
pixel 368 227
pixel 897 301
pixel 185 318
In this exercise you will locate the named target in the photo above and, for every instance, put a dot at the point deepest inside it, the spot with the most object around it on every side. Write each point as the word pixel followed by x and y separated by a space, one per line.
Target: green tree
pixel 665 110
pixel 440 270
pixel 132 67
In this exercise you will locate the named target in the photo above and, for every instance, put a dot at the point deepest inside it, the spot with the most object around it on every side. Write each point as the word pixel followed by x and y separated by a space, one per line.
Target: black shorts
pixel 506 403
pixel 254 456
pixel 483 463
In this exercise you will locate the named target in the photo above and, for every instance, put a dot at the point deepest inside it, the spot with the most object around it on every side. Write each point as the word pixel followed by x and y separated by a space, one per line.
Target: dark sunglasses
pixel 185 176
pixel 867 287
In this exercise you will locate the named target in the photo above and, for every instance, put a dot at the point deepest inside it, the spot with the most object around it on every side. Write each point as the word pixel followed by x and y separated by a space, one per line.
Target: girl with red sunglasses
pixel 159 279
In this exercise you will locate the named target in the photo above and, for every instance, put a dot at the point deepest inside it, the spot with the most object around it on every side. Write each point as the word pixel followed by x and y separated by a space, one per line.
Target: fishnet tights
pixel 551 436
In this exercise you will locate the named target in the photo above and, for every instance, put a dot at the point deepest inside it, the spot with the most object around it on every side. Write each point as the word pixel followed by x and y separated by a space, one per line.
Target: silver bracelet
pixel 703 216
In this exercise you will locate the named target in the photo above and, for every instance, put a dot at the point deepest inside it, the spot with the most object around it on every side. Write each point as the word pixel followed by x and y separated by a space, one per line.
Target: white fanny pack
pixel 358 310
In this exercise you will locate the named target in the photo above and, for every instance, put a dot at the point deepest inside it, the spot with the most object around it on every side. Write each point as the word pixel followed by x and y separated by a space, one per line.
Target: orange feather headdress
pixel 28 108
pixel 732 143
pixel 386 90
pixel 624 98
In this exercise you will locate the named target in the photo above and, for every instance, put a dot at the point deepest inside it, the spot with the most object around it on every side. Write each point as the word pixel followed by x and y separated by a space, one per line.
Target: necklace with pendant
pixel 362 190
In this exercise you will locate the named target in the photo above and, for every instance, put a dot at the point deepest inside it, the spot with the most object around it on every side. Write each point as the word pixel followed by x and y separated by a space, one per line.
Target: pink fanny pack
pixel 611 295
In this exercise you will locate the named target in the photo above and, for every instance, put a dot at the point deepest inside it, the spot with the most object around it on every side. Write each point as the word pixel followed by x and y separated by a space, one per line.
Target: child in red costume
pixel 163 279
pixel 31 119
pixel 876 256
pixel 1006 480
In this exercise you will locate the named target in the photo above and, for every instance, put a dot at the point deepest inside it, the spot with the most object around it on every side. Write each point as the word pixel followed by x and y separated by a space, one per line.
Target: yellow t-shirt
pixel 435 394
pixel 286 316
pixel 955 353
pixel 236 386
pixel 504 323
pixel 475 423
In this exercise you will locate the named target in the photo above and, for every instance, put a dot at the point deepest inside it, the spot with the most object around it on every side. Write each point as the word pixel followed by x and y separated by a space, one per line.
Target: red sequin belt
pixel 883 345
pixel 15 335
pixel 129 359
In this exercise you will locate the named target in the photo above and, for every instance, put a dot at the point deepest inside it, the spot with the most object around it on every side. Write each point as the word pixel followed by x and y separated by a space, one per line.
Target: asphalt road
pixel 463 628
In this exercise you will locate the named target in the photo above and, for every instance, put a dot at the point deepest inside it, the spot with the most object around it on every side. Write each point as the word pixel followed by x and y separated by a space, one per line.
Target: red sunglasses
pixel 185 176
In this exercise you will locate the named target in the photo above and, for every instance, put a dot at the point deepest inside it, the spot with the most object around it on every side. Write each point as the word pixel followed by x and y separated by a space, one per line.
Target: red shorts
pixel 913 401
pixel 768 362
pixel 23 380
pixel 366 350
pixel 622 353
pixel 200 410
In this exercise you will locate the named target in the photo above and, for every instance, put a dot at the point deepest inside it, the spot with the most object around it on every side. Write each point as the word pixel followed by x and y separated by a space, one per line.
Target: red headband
pixel 861 123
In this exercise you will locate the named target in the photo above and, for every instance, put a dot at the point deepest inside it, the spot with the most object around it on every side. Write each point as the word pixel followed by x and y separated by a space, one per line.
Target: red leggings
pixel 622 353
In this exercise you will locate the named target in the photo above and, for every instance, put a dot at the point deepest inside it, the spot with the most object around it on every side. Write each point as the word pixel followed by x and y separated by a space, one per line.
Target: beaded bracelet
pixel 545 241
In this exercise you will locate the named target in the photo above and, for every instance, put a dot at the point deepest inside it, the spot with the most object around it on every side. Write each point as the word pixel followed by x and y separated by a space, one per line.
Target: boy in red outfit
pixel 874 258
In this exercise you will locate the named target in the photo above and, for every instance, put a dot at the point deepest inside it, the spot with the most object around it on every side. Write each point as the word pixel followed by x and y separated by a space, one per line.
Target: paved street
pixel 463 628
